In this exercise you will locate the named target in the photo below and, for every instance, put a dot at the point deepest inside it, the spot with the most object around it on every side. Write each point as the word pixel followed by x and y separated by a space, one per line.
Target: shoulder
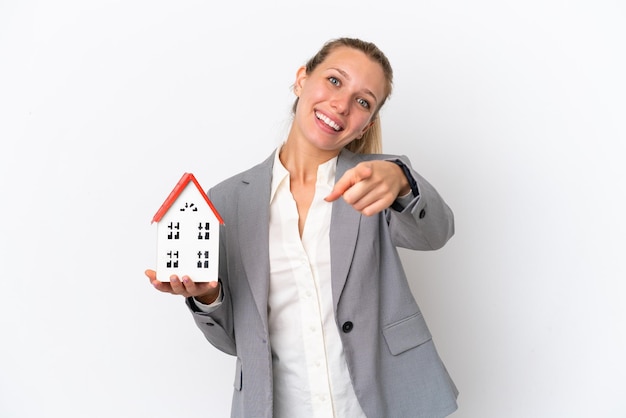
pixel 352 159
pixel 255 173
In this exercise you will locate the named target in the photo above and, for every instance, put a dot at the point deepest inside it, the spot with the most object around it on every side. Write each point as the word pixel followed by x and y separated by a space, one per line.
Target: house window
pixel 189 206
pixel 174 230
pixel 203 230
pixel 203 259
pixel 172 261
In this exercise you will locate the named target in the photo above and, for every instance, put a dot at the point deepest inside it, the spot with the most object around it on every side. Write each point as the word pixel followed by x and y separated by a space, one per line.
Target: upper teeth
pixel 327 121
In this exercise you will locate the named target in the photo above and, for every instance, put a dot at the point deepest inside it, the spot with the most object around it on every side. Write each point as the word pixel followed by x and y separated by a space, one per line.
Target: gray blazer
pixel 393 363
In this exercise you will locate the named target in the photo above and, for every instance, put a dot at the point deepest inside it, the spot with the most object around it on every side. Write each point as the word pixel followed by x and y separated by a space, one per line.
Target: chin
pixel 330 145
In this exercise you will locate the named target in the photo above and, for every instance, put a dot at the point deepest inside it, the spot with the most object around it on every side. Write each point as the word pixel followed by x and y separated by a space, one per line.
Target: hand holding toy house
pixel 188 234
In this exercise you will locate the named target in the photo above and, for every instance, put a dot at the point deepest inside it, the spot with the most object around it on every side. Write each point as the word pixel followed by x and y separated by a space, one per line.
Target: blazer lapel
pixel 253 216
pixel 344 230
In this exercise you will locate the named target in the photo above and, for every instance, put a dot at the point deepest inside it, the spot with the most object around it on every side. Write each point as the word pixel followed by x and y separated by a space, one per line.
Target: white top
pixel 311 377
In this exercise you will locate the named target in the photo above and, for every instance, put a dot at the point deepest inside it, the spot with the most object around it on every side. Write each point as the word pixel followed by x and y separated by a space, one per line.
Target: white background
pixel 515 111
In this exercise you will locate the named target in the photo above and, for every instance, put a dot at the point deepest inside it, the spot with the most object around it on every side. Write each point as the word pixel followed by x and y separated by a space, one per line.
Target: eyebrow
pixel 343 73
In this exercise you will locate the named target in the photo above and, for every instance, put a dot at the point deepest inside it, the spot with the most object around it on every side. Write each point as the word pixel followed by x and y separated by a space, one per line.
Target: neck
pixel 302 160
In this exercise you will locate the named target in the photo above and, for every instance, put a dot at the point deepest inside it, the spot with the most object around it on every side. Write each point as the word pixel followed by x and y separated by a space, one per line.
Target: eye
pixel 363 103
pixel 334 81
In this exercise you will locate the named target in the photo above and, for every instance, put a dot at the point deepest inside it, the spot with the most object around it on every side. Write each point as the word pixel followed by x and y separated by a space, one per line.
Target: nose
pixel 341 103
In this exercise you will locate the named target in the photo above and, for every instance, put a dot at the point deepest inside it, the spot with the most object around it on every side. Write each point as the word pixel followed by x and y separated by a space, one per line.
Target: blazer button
pixel 347 326
pixel 422 213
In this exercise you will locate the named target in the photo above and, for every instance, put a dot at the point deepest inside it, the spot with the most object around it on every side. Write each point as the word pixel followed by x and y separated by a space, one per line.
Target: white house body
pixel 187 234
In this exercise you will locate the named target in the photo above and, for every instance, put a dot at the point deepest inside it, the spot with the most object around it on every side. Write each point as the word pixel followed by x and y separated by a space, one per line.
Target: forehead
pixel 358 67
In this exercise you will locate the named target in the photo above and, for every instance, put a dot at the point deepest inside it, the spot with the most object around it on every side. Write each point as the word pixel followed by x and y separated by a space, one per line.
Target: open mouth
pixel 328 121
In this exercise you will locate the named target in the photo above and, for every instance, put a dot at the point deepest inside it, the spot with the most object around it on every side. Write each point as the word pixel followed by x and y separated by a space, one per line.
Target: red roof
pixel 180 186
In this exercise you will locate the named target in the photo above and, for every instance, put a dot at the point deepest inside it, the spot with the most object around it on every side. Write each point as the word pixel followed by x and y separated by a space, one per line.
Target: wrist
pixel 405 191
pixel 209 298
pixel 408 182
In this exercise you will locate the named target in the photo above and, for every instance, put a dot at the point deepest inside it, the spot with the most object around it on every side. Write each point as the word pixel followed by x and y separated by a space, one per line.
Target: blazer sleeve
pixel 213 326
pixel 426 222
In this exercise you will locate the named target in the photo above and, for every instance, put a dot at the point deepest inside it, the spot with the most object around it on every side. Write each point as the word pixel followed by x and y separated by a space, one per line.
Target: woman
pixel 312 297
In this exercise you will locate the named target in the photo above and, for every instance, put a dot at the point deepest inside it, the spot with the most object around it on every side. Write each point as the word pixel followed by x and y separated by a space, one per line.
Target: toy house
pixel 188 233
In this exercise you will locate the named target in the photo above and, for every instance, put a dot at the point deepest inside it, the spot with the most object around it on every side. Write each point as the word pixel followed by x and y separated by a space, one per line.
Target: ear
pixel 301 76
pixel 369 125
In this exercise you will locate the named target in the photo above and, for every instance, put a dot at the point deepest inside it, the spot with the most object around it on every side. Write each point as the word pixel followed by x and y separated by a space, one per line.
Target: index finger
pixel 349 179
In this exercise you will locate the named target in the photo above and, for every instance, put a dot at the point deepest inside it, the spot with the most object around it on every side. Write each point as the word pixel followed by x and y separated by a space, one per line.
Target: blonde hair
pixel 371 141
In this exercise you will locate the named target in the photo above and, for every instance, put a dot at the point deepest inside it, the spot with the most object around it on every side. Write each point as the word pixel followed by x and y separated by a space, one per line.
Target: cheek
pixel 315 90
pixel 362 122
pixel 311 96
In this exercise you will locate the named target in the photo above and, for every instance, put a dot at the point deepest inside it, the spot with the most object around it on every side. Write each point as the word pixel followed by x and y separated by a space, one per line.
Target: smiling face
pixel 337 99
